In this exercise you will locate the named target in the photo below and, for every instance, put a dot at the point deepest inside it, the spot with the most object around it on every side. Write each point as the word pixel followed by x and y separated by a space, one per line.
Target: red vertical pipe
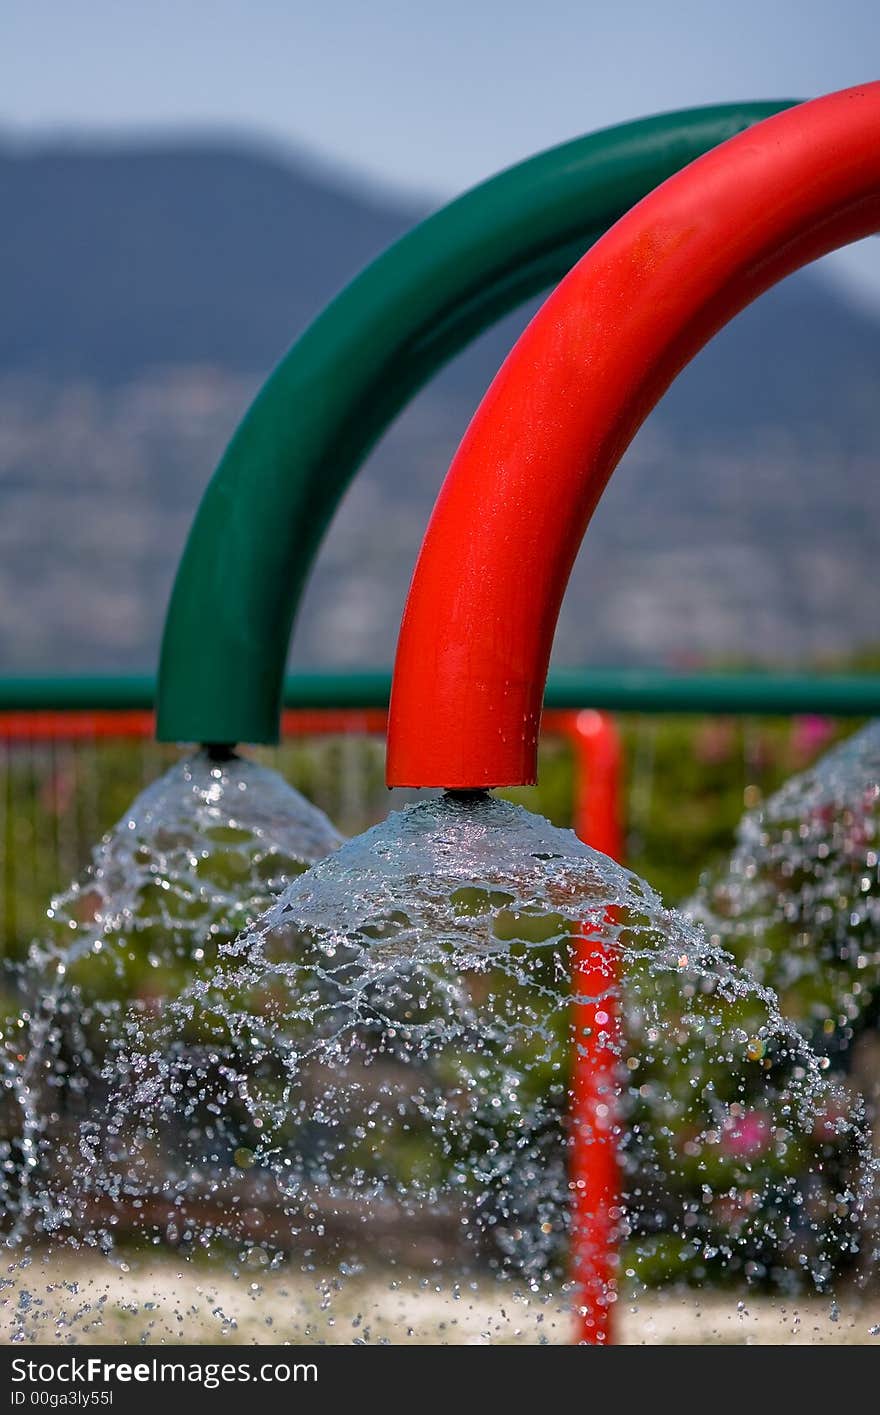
pixel 593 1169
pixel 597 816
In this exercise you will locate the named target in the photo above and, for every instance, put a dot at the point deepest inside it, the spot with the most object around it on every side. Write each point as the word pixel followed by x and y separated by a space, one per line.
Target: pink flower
pixel 746 1136
pixel 809 734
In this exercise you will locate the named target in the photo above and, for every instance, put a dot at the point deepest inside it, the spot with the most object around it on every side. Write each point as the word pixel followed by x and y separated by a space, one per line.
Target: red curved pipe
pixel 479 621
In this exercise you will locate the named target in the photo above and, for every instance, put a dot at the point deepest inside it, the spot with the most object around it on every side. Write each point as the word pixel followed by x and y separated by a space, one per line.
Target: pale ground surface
pixel 75 1299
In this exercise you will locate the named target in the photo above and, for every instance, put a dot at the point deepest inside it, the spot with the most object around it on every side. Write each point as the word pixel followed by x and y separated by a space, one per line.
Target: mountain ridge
pixel 149 289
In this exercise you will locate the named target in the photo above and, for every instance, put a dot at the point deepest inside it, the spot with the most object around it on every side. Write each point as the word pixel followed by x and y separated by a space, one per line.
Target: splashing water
pixel 801 891
pixel 200 853
pixel 798 906
pixel 375 1080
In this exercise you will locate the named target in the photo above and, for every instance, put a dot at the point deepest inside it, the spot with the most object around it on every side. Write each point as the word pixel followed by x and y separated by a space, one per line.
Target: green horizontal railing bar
pixel 648 690
pixel 616 690
pixel 95 693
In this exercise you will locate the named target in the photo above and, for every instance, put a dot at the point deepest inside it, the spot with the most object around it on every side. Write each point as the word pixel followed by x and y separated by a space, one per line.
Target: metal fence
pixel 75 751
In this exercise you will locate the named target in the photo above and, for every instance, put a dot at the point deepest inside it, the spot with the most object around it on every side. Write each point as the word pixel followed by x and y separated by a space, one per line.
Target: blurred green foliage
pixel 687 782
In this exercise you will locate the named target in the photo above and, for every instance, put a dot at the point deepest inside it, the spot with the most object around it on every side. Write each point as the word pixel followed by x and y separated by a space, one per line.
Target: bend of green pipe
pixel 265 511
pixel 613 689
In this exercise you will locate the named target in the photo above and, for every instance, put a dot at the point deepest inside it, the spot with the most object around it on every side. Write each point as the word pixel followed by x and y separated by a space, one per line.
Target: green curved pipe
pixel 265 511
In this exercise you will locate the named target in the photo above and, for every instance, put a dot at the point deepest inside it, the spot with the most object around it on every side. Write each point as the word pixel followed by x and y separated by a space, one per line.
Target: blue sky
pixel 423 97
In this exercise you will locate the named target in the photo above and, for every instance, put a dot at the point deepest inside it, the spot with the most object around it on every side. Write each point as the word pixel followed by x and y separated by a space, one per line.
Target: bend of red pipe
pixel 479 621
